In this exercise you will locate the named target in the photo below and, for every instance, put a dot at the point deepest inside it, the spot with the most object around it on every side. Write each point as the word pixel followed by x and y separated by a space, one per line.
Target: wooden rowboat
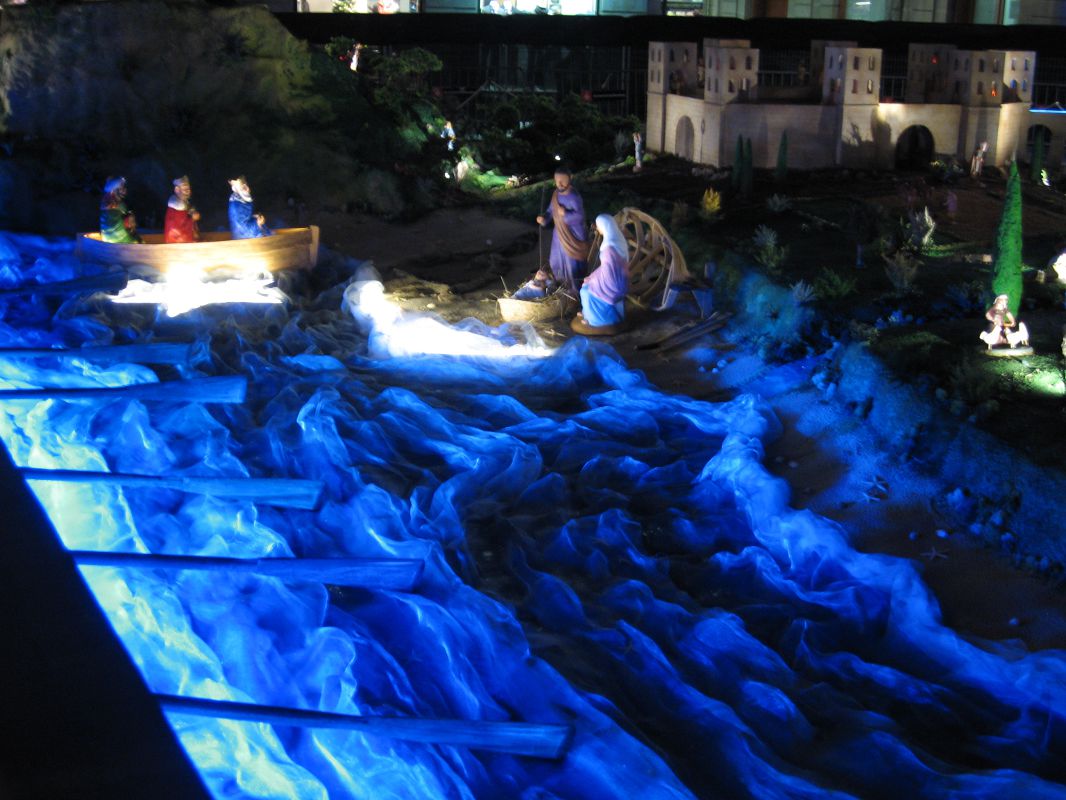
pixel 287 248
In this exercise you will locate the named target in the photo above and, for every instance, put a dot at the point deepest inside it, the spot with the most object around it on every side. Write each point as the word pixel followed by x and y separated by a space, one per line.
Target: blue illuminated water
pixel 598 552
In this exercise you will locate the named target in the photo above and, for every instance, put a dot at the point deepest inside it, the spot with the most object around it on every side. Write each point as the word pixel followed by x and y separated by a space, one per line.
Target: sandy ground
pixel 456 262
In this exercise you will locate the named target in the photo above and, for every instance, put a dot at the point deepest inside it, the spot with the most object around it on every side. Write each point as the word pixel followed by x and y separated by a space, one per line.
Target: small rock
pixel 431 305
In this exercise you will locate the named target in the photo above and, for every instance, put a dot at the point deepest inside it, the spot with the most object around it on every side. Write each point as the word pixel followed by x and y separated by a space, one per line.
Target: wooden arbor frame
pixel 655 260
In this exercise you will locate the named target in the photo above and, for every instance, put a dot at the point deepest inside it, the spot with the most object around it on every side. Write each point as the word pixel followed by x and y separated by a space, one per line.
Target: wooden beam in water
pixel 400 574
pixel 520 738
pixel 226 389
pixel 282 492
pixel 147 353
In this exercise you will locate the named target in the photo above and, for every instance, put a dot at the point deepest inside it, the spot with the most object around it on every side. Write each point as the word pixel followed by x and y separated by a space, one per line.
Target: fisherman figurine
pixel 569 250
pixel 1002 323
pixel 604 291
pixel 117 223
pixel 244 223
pixel 179 224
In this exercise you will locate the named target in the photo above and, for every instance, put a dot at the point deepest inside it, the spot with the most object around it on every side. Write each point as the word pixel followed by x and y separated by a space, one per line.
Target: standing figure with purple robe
pixel 117 223
pixel 244 223
pixel 179 224
pixel 604 292
pixel 570 249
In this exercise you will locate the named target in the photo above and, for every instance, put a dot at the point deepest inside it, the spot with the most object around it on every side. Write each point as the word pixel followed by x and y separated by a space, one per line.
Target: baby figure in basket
pixel 541 285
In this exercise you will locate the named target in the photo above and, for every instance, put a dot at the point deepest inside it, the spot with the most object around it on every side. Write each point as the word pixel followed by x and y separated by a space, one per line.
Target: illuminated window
pixel 935 59
pixel 869 87
pixel 1014 85
pixel 873 62
pixel 992 90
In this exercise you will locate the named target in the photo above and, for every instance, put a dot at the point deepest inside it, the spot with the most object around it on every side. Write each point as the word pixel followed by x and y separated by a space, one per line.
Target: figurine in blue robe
pixel 244 223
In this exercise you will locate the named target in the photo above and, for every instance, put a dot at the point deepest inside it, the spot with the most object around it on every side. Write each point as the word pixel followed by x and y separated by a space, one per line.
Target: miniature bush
pixel 765 249
pixel 778 204
pixel 901 268
pixel 711 204
pixel 972 381
pixel 831 285
pixel 679 215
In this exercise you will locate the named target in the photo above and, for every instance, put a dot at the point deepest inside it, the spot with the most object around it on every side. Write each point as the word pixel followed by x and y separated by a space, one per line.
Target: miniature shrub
pixel 919 230
pixel 765 249
pixel 778 204
pixel 972 381
pixel 711 204
pixel 803 292
pixel 901 268
pixel 831 285
pixel 679 215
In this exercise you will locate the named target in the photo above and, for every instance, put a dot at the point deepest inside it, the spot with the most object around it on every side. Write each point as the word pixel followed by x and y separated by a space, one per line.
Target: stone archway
pixel 685 139
pixel 1031 135
pixel 915 148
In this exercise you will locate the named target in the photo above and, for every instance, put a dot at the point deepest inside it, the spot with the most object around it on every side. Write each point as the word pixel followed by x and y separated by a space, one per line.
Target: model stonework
pixel 836 112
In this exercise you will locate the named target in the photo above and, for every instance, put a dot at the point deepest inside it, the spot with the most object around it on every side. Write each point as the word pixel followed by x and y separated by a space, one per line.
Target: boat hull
pixel 287 248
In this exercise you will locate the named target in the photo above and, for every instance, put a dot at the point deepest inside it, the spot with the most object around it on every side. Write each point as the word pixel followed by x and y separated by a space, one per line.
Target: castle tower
pixel 851 76
pixel 931 73
pixel 732 71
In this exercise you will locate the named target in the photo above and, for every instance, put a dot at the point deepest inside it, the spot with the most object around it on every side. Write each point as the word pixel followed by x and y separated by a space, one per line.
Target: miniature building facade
pixel 835 116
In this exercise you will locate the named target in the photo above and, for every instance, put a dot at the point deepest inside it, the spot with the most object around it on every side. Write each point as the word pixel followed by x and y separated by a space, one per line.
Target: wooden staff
pixel 227 389
pixel 150 353
pixel 401 574
pixel 520 738
pixel 283 492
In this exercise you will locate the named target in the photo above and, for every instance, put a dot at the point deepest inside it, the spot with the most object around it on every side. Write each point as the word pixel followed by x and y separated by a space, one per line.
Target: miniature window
pixel 995 65
pixel 854 86
pixel 840 60
pixel 993 90
pixel 873 62
pixel 716 85
pixel 980 88
pixel 956 65
pixel 744 84
pixel 869 86
pixel 747 62
pixel 1013 64
pixel 730 88
pixel 671 56
pixel 684 57
pixel 1025 86
pixel 980 65
pixel 835 85
pixel 967 67
pixel 855 62
pixel 732 62
pixel 1027 65
pixel 935 59
pixel 1014 85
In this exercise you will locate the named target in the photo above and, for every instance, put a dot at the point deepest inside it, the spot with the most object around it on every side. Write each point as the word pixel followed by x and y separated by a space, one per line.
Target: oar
pixel 149 353
pixel 401 574
pixel 520 738
pixel 227 389
pixel 284 492
pixel 104 282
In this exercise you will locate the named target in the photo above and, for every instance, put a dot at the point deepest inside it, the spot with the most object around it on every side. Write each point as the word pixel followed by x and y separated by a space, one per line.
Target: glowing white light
pixel 558 157
pixel 185 289
pixel 395 332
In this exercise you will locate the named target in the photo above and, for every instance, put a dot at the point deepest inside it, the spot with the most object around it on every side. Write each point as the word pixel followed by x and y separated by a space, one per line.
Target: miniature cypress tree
pixel 1037 164
pixel 738 163
pixel 781 173
pixel 1007 269
pixel 747 178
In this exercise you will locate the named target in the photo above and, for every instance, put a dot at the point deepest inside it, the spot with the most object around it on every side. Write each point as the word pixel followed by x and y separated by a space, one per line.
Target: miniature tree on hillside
pixel 738 163
pixel 781 173
pixel 1007 269
pixel 747 177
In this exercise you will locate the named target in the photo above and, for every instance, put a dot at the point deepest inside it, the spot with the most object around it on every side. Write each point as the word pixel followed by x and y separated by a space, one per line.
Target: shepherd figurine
pixel 1002 324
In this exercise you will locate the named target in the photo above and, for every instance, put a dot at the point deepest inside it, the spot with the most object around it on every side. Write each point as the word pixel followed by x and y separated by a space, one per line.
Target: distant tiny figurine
pixel 540 285
pixel 448 132
pixel 951 204
pixel 117 223
pixel 569 250
pixel 179 224
pixel 604 291
pixel 977 161
pixel 1002 324
pixel 638 151
pixel 244 223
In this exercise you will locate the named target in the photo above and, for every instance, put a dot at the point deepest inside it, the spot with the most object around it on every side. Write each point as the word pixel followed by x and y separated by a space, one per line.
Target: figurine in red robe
pixel 180 222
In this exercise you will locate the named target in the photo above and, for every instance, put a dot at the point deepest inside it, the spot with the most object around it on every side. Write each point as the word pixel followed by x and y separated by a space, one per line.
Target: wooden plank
pixel 519 738
pixel 228 389
pixel 399 574
pixel 282 492
pixel 146 353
